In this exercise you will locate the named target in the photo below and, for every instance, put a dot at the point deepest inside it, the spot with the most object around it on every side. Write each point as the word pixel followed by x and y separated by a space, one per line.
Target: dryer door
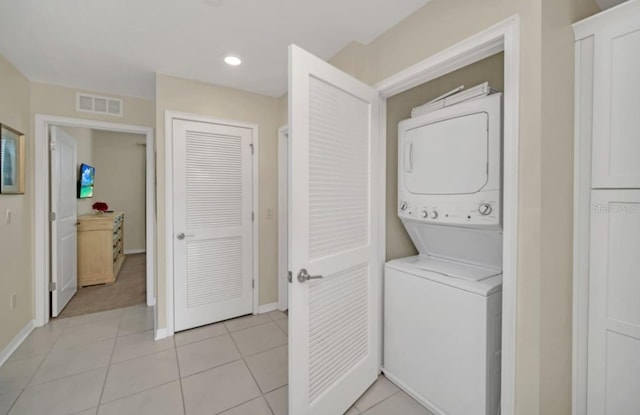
pixel 447 157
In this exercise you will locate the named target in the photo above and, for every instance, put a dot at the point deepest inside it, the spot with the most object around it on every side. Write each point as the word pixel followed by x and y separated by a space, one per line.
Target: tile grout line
pixel 184 404
pixel 252 376
pixel 29 381
pixel 106 376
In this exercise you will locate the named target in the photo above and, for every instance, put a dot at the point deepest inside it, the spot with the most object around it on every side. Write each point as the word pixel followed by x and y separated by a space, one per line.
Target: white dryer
pixel 442 308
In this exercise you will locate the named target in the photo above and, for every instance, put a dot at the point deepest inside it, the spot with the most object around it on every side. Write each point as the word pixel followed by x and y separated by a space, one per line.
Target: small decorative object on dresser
pixel 100 207
pixel 100 248
pixel 11 161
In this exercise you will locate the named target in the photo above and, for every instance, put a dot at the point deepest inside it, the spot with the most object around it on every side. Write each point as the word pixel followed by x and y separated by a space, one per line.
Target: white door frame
pixel 283 220
pixel 42 250
pixel 169 116
pixel 504 36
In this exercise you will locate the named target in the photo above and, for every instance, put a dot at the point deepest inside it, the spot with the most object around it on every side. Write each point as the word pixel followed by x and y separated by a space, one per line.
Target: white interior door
pixel 334 337
pixel 64 238
pixel 213 221
pixel 614 310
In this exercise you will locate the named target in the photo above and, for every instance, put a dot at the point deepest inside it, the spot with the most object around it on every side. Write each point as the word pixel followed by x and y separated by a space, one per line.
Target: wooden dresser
pixel 100 248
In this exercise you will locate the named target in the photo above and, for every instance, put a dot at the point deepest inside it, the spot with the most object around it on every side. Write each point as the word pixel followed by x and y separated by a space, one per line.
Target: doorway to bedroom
pixel 97 236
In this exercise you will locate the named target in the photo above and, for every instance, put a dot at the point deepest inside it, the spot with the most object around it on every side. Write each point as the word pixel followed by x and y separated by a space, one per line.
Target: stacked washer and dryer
pixel 442 308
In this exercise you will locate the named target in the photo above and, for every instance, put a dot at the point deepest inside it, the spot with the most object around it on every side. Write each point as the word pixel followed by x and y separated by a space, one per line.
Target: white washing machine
pixel 442 333
pixel 442 308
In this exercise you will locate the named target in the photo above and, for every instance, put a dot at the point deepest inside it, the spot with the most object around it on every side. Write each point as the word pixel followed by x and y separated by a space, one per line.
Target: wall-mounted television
pixel 85 184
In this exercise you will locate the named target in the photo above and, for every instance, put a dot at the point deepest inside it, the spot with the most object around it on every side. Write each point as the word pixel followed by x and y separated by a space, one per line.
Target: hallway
pixel 108 363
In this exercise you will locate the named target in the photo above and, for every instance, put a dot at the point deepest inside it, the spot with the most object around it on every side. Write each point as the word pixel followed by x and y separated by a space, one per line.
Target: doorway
pixel 107 255
pixel 144 143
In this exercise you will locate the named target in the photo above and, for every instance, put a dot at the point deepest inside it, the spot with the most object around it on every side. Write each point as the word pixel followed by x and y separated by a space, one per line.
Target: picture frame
pixel 12 159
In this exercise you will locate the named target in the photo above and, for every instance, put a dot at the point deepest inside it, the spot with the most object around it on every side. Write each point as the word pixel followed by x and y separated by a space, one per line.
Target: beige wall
pixel 543 332
pixel 183 95
pixel 120 181
pixel 399 107
pixel 557 201
pixel 16 271
pixel 84 142
pixel 61 101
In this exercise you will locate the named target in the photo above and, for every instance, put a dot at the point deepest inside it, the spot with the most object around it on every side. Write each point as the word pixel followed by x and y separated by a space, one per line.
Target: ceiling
pixel 117 46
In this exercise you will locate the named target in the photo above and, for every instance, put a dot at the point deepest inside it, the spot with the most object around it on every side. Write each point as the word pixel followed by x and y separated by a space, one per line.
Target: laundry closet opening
pixel 443 280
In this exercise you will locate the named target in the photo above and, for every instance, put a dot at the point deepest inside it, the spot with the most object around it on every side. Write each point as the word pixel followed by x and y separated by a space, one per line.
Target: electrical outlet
pixel 12 301
pixel 269 213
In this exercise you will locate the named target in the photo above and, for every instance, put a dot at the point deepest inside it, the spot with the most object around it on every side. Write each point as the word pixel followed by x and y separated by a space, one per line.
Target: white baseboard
pixel 134 251
pixel 16 342
pixel 267 307
pixel 162 334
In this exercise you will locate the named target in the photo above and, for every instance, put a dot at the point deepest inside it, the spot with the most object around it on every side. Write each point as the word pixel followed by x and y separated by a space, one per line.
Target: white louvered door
pixel 212 208
pixel 334 321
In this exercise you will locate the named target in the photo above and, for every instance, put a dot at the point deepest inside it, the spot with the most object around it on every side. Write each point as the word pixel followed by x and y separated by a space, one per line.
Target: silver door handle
pixel 180 236
pixel 303 276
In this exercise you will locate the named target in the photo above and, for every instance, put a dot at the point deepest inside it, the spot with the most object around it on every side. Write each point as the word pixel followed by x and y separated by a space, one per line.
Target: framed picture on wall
pixel 11 161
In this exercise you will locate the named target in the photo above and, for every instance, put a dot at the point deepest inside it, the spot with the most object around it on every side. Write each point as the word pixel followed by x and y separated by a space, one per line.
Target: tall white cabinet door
pixel 334 309
pixel 212 218
pixel 614 304
pixel 616 105
pixel 64 237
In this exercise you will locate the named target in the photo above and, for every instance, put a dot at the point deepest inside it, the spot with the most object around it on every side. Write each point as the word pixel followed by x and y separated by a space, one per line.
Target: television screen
pixel 85 184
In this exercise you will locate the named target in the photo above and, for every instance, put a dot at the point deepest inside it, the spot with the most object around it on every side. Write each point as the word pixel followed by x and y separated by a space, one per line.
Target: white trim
pixel 135 251
pixel 41 204
pixel 169 116
pixel 162 334
pixel 609 17
pixel 266 308
pixel 583 134
pixel 17 340
pixel 504 35
pixel 382 225
pixel 283 220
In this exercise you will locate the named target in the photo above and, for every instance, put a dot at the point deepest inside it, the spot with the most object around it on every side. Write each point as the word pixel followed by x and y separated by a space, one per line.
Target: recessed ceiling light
pixel 232 60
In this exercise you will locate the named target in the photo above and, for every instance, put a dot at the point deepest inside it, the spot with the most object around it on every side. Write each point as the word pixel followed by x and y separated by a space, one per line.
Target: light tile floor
pixel 107 363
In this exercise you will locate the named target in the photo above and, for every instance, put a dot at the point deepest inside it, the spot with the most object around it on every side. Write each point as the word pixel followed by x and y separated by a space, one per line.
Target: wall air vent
pixel 98 104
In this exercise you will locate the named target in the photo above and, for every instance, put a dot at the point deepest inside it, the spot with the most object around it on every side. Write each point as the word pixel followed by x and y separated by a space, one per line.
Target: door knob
pixel 303 276
pixel 180 236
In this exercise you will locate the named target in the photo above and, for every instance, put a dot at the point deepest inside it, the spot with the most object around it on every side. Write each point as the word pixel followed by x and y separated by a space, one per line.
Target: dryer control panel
pixel 484 211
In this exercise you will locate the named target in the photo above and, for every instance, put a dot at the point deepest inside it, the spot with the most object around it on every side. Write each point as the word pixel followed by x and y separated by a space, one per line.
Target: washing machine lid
pixel 474 279
pixel 457 243
pixel 452 269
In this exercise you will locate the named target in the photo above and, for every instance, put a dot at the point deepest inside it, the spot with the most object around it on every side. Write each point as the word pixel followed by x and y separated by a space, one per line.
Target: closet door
pixel 616 121
pixel 614 309
pixel 213 227
pixel 334 309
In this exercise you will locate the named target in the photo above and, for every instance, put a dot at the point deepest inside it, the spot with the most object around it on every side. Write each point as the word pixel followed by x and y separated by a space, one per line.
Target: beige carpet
pixel 129 289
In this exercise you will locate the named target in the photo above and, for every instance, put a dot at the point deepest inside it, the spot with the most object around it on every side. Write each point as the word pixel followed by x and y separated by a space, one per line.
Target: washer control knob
pixel 434 215
pixel 485 209
pixel 403 205
pixel 424 214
